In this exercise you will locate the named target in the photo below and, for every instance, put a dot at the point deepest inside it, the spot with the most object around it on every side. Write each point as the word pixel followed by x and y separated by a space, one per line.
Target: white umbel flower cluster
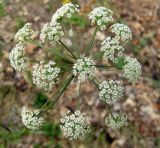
pixel 31 118
pixel 51 32
pixel 101 16
pixel 110 91
pixel 75 125
pixel 17 57
pixel 118 121
pixel 122 32
pixel 25 33
pixel 112 49
pixel 66 10
pixel 84 68
pixel 45 75
pixel 132 69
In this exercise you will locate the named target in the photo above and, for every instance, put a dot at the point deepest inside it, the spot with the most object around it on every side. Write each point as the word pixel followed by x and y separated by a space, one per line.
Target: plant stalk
pixel 58 94
pixel 67 49
pixel 110 112
pixel 91 42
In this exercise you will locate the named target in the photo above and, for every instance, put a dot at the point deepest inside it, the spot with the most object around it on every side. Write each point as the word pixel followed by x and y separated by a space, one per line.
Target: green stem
pixel 62 56
pixel 66 70
pixel 80 84
pixel 109 68
pixel 102 66
pixel 96 82
pixel 58 94
pixel 42 46
pixel 67 49
pixel 91 42
pixel 98 55
pixel 110 112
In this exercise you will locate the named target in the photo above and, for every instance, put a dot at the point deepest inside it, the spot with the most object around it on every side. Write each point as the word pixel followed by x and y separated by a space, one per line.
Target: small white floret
pixel 101 16
pixel 18 58
pixel 75 125
pixel 31 118
pixel 45 75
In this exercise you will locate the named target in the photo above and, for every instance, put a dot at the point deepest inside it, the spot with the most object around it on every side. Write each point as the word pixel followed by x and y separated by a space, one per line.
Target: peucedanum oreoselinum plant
pixel 81 65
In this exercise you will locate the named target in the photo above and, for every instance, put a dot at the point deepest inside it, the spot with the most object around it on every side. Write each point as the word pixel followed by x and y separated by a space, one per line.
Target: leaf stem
pixel 67 49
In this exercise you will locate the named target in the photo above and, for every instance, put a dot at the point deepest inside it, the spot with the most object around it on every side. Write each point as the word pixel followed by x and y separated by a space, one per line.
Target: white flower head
pixel 101 16
pixel 112 49
pixel 66 10
pixel 118 121
pixel 122 32
pixel 110 91
pixel 51 32
pixel 84 68
pixel 75 125
pixel 31 118
pixel 45 75
pixel 132 69
pixel 25 33
pixel 17 57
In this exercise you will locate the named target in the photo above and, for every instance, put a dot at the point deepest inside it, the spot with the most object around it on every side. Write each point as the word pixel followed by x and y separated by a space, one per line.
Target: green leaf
pixel 58 146
pixel 119 65
pixel 14 136
pixel 2 9
pixel 143 42
pixel 51 130
pixel 40 100
pixel 157 142
pixel 78 20
pixel 37 145
pixel 20 22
